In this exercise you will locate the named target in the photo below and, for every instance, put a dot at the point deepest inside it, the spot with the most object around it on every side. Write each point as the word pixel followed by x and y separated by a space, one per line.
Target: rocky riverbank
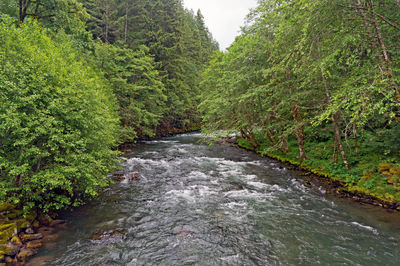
pixel 22 236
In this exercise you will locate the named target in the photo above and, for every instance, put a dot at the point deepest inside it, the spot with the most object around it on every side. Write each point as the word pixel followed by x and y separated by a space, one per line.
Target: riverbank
pixel 385 194
pixel 21 237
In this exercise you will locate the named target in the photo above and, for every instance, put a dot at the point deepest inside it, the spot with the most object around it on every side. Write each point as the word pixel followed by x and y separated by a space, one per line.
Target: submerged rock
pixel 103 235
pixel 182 231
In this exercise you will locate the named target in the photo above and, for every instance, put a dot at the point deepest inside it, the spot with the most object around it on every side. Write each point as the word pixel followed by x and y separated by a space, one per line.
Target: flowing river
pixel 200 205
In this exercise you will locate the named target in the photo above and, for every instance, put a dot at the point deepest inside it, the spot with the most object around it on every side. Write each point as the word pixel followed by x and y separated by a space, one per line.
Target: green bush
pixel 57 121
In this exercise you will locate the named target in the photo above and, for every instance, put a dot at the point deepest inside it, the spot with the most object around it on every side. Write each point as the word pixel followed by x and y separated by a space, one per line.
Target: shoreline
pixel 333 186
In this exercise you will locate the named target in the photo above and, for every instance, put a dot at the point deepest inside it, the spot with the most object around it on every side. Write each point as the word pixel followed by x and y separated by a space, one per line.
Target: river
pixel 199 205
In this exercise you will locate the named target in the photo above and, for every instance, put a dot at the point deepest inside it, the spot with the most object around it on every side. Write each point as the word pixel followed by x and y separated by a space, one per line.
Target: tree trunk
pixel 23 5
pixel 126 20
pixel 299 131
pixel 355 138
pixel 339 140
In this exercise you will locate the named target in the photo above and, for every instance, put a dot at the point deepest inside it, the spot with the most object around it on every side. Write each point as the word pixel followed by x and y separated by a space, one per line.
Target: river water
pixel 220 205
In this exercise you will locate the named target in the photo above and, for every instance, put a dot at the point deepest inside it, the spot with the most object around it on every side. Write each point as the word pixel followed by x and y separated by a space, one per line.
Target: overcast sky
pixel 223 17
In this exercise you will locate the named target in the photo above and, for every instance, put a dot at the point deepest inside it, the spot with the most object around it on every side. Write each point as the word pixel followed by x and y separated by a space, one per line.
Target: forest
pixel 79 78
pixel 315 83
pixel 311 82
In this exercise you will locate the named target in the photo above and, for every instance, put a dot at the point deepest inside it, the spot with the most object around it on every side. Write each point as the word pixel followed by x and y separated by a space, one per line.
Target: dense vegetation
pixel 78 78
pixel 315 82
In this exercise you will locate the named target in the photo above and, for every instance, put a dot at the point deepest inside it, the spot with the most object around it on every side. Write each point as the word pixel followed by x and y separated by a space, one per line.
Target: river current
pixel 199 205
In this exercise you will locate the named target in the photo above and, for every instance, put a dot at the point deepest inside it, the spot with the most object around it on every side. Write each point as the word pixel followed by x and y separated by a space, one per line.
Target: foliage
pixel 317 83
pixel 137 86
pixel 58 121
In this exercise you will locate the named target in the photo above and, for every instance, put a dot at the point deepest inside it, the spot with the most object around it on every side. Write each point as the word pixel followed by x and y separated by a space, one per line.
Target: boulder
pixel 16 241
pixel 35 244
pixel 25 253
pixel 9 249
pixel 30 237
pixel 29 231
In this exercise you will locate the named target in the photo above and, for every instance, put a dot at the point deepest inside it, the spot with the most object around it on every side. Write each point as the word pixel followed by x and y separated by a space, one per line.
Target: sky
pixel 223 17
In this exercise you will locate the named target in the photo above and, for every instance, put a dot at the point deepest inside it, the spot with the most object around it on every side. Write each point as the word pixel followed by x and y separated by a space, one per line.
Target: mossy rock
pixel 22 223
pixel 6 232
pixel 383 167
pixel 7 207
pixel 14 214
pixel 395 172
pixel 4 249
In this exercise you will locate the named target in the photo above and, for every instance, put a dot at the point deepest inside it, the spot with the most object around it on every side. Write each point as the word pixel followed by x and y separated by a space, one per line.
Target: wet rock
pixel 134 177
pixel 25 253
pixel 40 261
pixel 45 230
pixel 58 223
pixel 183 231
pixel 29 231
pixel 50 238
pixel 16 241
pixel 35 244
pixel 119 178
pixel 107 234
pixel 30 237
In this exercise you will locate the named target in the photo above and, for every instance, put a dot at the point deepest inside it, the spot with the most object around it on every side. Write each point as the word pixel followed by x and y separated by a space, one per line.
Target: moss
pixel 383 167
pixel 6 232
pixel 5 249
pixel 14 214
pixel 7 207
pixel 22 224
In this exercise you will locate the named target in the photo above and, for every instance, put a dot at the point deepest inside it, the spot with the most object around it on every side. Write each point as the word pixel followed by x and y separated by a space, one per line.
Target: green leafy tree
pixel 58 121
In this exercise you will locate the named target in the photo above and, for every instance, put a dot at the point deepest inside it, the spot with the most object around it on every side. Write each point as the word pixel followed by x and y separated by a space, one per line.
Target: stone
pixel 134 177
pixel 9 249
pixel 45 230
pixel 107 234
pixel 50 238
pixel 25 253
pixel 30 237
pixel 16 241
pixel 9 260
pixel 119 178
pixel 35 244
pixel 6 232
pixel 57 223
pixel 29 231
